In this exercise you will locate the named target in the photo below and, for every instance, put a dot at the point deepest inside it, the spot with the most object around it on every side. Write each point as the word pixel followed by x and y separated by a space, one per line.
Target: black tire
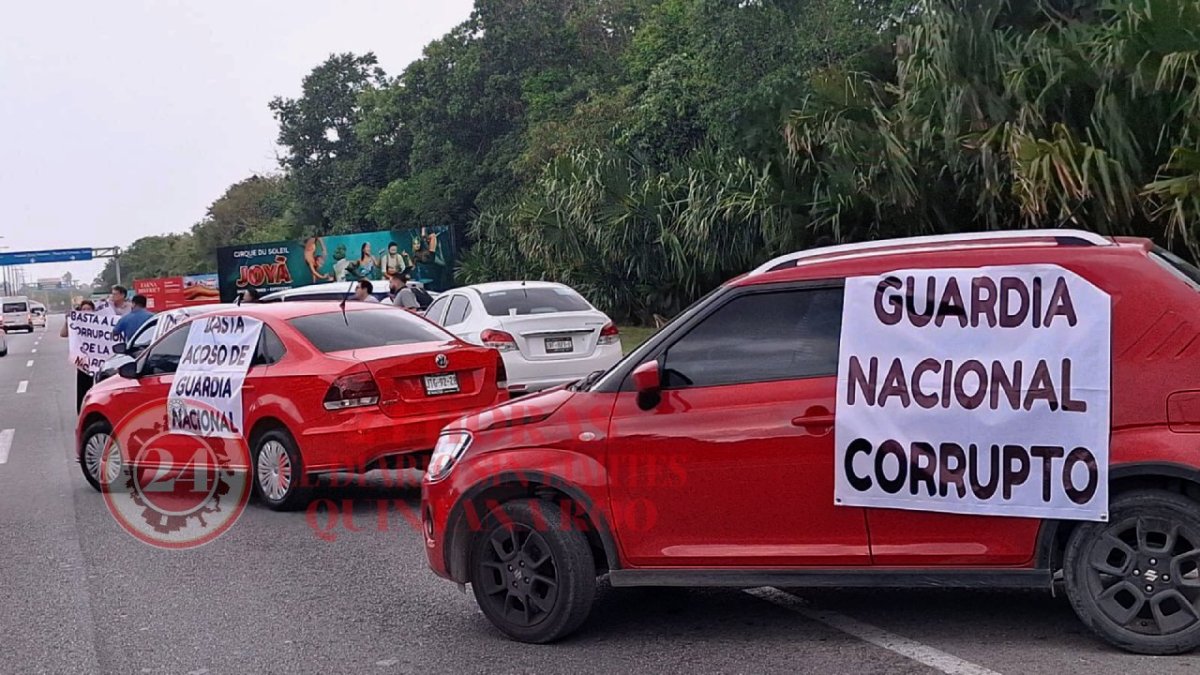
pixel 524 547
pixel 273 442
pixel 1135 580
pixel 92 452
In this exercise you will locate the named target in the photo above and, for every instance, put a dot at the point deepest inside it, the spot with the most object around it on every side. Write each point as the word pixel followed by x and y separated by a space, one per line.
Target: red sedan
pixel 328 390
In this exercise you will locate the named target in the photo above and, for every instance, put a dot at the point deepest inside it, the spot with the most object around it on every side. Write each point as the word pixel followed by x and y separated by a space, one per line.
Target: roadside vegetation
pixel 644 151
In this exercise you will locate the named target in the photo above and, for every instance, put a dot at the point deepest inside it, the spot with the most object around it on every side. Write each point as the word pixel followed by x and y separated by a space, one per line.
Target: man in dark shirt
pixel 131 322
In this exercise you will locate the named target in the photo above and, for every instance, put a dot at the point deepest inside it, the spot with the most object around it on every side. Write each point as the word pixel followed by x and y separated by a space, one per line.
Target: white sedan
pixel 546 333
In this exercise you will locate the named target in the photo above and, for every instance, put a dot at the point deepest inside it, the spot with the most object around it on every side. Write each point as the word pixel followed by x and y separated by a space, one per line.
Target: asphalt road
pixel 285 593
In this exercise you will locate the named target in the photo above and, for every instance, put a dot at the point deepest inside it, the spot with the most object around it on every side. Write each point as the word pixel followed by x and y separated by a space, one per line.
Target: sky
pixel 127 118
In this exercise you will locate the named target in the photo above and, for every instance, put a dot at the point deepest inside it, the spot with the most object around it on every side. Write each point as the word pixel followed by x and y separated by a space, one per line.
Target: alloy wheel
pixel 1144 574
pixel 519 575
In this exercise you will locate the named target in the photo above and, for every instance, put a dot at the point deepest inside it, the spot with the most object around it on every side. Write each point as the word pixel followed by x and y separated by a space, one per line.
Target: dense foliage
pixel 646 150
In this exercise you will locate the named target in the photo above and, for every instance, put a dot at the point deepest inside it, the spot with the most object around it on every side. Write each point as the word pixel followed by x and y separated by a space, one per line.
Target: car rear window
pixel 519 301
pixel 1181 268
pixel 15 307
pixel 363 329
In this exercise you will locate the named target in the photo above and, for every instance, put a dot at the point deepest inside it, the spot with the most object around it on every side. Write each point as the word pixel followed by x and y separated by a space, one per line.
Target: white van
pixel 17 313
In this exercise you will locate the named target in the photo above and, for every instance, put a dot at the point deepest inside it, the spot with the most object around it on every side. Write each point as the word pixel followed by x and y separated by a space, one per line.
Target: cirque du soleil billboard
pixel 426 253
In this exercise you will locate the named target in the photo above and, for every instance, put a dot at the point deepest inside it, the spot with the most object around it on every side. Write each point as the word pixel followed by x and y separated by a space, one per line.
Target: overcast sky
pixel 125 118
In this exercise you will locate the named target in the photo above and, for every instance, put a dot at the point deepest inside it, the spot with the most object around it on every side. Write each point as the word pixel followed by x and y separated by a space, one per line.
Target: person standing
pixel 133 320
pixel 362 292
pixel 83 379
pixel 118 300
pixel 402 295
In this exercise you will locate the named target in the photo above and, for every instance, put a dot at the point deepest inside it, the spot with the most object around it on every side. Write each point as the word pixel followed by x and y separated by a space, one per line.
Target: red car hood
pixel 524 410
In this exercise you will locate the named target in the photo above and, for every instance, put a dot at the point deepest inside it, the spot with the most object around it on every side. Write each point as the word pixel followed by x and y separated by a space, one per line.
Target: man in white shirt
pixel 363 292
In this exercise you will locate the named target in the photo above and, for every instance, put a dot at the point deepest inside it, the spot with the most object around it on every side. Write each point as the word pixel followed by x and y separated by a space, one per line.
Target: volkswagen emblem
pixel 441 361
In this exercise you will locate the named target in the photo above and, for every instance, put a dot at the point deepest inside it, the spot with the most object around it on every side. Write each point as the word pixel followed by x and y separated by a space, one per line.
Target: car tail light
pixel 501 375
pixel 609 335
pixel 352 391
pixel 498 340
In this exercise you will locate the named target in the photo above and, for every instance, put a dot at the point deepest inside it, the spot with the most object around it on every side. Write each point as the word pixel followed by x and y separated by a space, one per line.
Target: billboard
pixel 427 253
pixel 175 292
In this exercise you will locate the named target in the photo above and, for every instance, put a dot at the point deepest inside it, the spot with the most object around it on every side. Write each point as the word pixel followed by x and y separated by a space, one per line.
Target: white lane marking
pixel 6 437
pixel 32 351
pixel 29 363
pixel 924 654
pixel 22 386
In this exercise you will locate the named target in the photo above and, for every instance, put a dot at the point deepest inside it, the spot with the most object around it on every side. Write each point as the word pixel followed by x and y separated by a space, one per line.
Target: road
pixel 285 593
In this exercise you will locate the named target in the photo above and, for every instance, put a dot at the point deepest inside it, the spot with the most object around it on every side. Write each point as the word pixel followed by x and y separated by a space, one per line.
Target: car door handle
pixel 813 420
pixel 816 420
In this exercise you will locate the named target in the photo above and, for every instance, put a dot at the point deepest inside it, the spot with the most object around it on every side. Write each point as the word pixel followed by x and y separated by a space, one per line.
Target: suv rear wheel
pixel 1135 580
pixel 532 571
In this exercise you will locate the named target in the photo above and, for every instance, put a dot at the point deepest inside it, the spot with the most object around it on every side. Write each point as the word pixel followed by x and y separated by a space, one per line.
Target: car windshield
pixel 15 307
pixel 539 300
pixel 363 329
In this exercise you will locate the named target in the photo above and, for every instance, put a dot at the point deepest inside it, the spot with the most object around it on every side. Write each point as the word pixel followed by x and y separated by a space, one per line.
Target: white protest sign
pixel 980 391
pixel 171 318
pixel 90 338
pixel 206 394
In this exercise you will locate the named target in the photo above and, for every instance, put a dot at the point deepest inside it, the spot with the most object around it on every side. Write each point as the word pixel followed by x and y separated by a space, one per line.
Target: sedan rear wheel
pixel 1135 580
pixel 278 472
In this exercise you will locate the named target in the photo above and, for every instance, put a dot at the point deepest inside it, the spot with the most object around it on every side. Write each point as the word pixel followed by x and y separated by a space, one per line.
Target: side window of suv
pixel 163 357
pixel 759 337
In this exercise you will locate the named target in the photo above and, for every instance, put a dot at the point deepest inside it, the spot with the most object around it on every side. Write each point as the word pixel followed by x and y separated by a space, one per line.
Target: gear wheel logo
pixel 172 490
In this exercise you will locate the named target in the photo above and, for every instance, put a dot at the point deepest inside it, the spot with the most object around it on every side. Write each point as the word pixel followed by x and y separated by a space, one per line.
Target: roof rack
pixel 1059 236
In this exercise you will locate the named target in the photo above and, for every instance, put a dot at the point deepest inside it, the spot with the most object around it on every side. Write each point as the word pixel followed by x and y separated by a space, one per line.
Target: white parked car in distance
pixel 547 333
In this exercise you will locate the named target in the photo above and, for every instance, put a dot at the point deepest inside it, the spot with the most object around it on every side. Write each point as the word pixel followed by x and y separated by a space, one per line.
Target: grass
pixel 632 336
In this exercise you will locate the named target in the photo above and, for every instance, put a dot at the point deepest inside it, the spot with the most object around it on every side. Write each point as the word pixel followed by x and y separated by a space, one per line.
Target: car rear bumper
pixel 529 376
pixel 357 441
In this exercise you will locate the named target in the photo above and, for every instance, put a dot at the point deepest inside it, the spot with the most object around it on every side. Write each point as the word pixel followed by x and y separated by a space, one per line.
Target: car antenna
pixel 343 303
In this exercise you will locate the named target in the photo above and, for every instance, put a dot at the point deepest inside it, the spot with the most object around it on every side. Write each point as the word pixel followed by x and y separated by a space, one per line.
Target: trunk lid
pixel 429 377
pixel 556 337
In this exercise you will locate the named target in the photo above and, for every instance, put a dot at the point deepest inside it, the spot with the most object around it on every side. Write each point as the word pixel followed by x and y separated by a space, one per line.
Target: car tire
pixel 277 471
pixel 1135 580
pixel 97 443
pixel 532 571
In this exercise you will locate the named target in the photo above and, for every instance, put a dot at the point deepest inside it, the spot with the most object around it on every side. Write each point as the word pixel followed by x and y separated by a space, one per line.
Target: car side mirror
pixel 119 348
pixel 129 370
pixel 647 381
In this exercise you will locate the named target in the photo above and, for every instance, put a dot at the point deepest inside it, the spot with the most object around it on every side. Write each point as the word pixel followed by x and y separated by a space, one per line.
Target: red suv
pixel 1006 409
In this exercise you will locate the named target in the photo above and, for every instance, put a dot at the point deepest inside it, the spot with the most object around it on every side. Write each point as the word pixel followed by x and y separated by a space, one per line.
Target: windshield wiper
pixel 587 381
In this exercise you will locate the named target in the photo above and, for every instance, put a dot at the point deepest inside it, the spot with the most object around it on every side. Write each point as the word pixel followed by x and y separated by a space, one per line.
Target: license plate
pixel 559 345
pixel 441 384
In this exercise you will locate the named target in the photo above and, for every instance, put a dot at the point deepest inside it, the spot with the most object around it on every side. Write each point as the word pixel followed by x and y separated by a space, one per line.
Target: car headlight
pixel 450 447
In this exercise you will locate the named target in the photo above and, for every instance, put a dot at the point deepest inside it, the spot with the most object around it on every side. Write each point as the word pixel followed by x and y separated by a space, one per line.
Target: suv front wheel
pixel 1135 580
pixel 532 571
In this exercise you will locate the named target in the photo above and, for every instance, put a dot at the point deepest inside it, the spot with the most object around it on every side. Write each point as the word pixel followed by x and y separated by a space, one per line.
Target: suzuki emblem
pixel 441 361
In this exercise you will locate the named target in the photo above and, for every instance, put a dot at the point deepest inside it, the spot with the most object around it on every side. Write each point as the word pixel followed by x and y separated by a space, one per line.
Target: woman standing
pixel 83 379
